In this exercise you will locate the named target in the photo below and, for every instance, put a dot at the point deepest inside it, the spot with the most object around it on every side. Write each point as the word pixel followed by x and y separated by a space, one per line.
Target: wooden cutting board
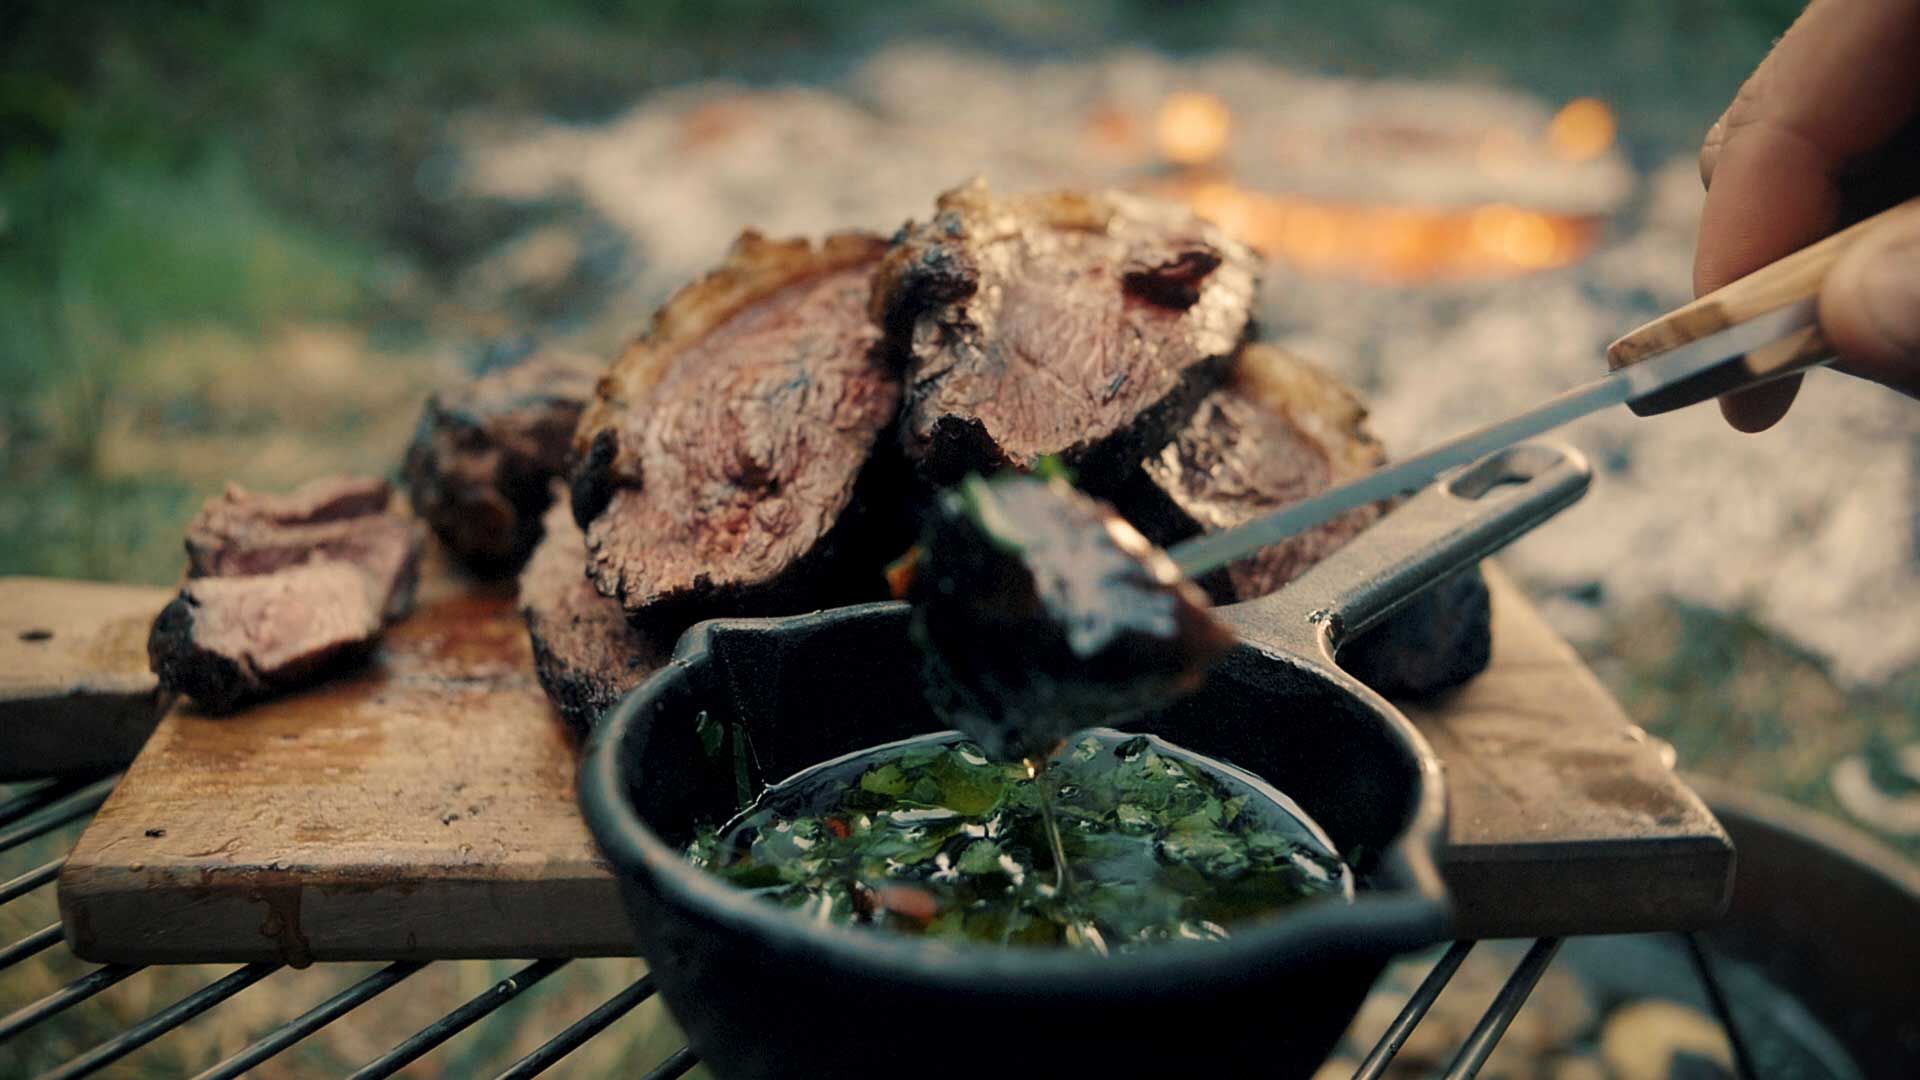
pixel 75 692
pixel 424 807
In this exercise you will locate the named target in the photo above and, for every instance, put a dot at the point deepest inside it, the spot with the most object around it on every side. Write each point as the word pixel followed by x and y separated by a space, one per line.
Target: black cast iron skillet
pixel 763 992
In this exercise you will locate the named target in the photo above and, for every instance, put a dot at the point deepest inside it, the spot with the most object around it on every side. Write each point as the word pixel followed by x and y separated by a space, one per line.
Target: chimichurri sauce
pixel 929 837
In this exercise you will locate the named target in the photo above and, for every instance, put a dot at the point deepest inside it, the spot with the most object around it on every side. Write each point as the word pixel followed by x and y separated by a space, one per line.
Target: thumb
pixel 1870 307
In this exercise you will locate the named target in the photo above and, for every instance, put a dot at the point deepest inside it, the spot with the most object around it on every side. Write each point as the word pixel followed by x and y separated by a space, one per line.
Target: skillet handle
pixel 1446 527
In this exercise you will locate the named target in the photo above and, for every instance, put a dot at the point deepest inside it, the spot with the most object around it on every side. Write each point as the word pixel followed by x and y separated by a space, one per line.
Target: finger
pixel 1760 407
pixel 1839 84
pixel 1870 308
pixel 1773 193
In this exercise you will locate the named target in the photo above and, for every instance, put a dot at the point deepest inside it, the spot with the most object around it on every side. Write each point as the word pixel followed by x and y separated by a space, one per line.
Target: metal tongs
pixel 1762 327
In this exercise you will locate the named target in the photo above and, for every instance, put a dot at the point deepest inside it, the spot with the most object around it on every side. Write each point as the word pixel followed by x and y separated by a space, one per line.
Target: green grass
pixel 1742 704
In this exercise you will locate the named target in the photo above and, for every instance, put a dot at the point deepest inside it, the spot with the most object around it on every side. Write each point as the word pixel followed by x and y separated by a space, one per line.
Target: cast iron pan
pixel 762 992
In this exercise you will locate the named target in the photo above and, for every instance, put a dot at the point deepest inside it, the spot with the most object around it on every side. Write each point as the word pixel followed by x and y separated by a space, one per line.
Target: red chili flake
pixel 838 828
pixel 900 572
pixel 909 902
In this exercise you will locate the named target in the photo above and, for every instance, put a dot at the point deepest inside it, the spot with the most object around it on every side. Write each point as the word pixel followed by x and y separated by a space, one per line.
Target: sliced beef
pixel 343 519
pixel 484 454
pixel 724 461
pixel 282 588
pixel 1081 325
pixel 1040 612
pixel 1280 431
pixel 329 498
pixel 227 640
pixel 587 654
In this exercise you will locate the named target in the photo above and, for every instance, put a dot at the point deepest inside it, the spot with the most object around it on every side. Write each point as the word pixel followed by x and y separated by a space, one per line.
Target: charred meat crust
pixel 726 451
pixel 585 652
pixel 1280 431
pixel 1040 612
pixel 484 453
pixel 1084 326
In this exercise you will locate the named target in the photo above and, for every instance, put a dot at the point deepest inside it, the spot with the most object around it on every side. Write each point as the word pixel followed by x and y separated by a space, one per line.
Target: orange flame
pixel 1390 243
pixel 1581 131
pixel 1384 242
pixel 1193 128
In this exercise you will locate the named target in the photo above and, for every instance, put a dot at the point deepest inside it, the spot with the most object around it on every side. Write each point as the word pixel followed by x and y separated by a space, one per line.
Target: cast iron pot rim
pixel 1411 911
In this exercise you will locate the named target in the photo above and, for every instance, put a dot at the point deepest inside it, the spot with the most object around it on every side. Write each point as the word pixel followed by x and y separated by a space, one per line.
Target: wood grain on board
pixel 1563 816
pixel 75 692
pixel 424 808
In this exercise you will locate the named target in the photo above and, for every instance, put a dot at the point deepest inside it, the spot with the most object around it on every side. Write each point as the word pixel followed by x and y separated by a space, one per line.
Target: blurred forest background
pixel 227 251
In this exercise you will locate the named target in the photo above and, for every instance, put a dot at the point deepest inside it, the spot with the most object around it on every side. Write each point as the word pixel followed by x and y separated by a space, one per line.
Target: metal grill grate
pixel 52 804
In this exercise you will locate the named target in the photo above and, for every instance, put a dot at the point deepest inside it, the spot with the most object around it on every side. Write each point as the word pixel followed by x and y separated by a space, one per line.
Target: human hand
pixel 1826 128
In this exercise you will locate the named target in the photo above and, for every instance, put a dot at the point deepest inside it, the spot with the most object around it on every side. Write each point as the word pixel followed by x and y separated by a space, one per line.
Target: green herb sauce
pixel 929 837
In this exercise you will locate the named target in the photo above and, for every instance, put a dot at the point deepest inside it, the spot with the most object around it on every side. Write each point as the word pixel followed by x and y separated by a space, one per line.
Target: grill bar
pixel 580 1031
pixel 1506 1005
pixel 48 806
pixel 31 880
pixel 59 811
pixel 162 1022
pixel 1710 981
pixel 313 1020
pixel 1415 1011
pixel 457 1021
pixel 36 797
pixel 37 941
pixel 63 999
pixel 677 1064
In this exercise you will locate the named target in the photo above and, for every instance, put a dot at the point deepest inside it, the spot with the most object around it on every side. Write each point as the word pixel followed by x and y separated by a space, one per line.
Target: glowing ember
pixel 1386 242
pixel 1390 243
pixel 1193 128
pixel 1581 131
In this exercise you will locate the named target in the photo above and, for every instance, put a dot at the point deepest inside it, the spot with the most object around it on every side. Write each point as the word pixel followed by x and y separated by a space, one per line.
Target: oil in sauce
pixel 1116 842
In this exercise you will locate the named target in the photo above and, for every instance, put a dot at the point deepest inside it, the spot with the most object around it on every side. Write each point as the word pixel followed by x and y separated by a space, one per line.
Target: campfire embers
pixel 1387 239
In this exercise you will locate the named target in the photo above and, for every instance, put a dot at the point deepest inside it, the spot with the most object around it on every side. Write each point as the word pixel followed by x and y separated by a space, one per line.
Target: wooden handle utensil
pixel 1796 279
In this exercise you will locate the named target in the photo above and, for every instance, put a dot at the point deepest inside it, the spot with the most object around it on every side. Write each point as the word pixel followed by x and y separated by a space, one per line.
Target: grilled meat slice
pixel 343 519
pixel 1039 612
pixel 585 651
pixel 484 454
pixel 1086 326
pixel 1280 431
pixel 282 588
pixel 329 498
pixel 725 456
pixel 227 640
